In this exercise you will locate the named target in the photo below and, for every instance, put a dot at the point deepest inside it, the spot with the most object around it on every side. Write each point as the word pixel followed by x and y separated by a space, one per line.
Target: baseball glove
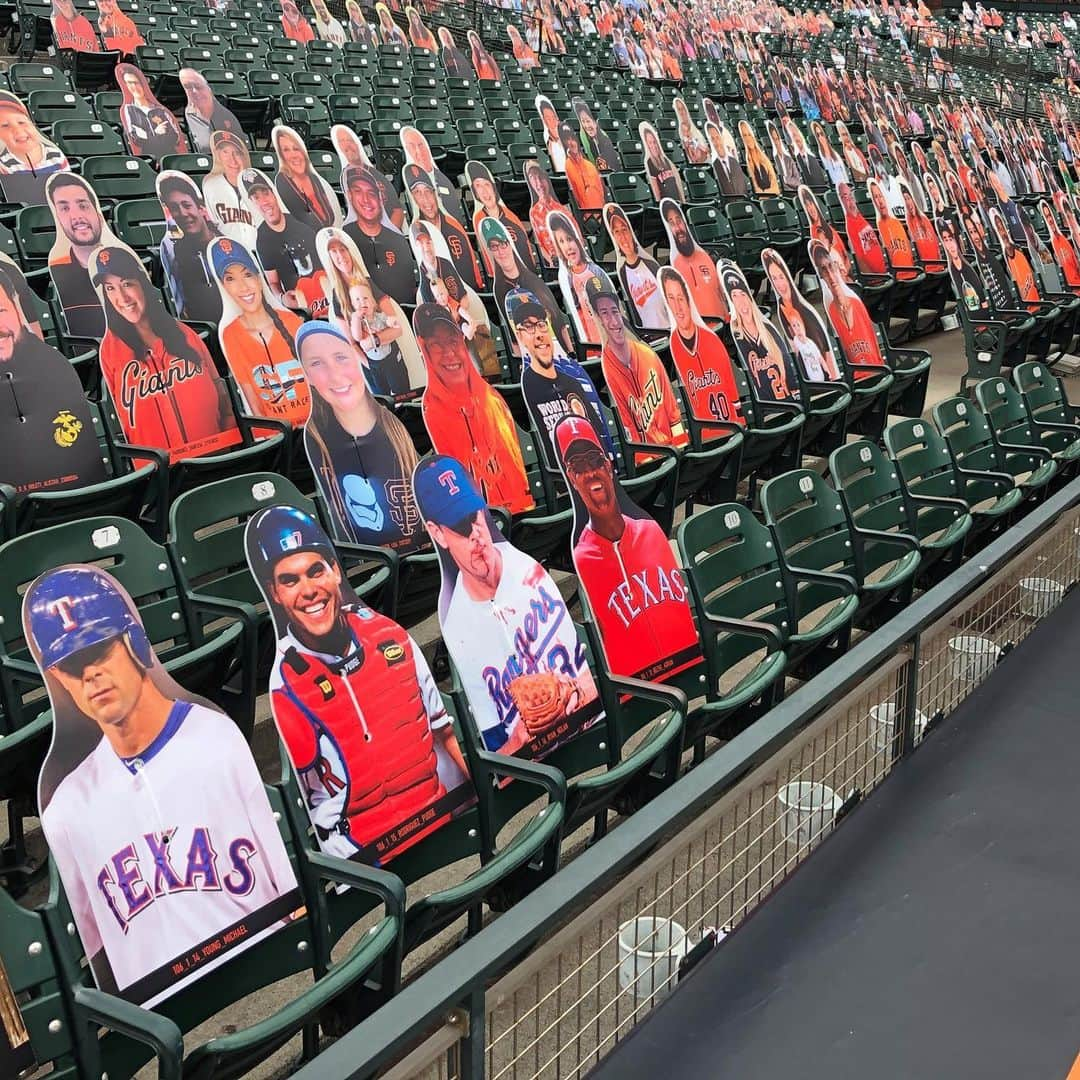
pixel 543 700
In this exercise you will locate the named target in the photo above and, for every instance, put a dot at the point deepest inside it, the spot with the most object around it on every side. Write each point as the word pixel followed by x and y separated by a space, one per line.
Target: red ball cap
pixel 575 429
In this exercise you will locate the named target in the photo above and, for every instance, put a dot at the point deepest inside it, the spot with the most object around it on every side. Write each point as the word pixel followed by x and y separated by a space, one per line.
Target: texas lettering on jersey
pixel 156 865
pixel 644 589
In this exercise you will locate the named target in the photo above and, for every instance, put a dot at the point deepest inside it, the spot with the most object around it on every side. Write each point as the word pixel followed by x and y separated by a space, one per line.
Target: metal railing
pixel 545 992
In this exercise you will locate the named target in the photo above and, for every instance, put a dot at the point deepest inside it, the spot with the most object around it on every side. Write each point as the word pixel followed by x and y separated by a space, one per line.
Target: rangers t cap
pixel 575 433
pixel 444 491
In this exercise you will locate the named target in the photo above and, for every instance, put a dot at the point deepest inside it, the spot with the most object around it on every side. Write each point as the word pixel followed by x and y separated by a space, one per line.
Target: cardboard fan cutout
pixel 488 204
pixel 306 195
pixel 855 332
pixel 637 383
pixel 465 417
pixel 190 228
pixel 694 143
pixel 553 383
pixel 286 247
pixel 351 152
pixel 763 350
pixel 576 270
pixel 730 177
pixel 27 158
pixel 582 176
pixel 921 231
pixel 637 272
pixel 595 142
pixel 419 35
pixel 544 202
pixel 482 61
pixel 30 304
pixel 701 359
pixel 418 153
pixel 236 215
pixel 967 282
pixel 204 114
pixel 506 626
pixel 49 442
pixel 455 62
pixel 170 856
pixel 328 28
pixel 373 321
pixel 293 24
pixel 428 209
pixel 360 452
pixel 158 372
pixel 665 182
pixel 553 143
pixel 391 33
pixel 72 29
pixel 626 566
pixel 899 252
pixel 116 29
pixel 150 129
pixel 694 263
pixel 508 273
pixel 1062 247
pixel 863 240
pixel 799 322
pixel 759 168
pixel 80 231
pixel 385 250
pixel 440 284
pixel 256 337
pixel 353 699
pixel 822 229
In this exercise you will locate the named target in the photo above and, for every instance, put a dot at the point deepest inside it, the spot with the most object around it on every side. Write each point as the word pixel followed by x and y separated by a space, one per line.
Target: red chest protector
pixel 370 707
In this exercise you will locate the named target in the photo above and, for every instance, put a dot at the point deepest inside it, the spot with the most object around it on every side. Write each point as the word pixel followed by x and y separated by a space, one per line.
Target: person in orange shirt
pixel 851 322
pixel 894 237
pixel 582 175
pixel 863 240
pixel 1020 270
pixel 694 264
pixel 1064 252
pixel 636 380
pixel 116 29
pixel 921 229
pixel 71 29
pixel 294 25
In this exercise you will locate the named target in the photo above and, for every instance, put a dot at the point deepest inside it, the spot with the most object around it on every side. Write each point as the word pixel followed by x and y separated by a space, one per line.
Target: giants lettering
pixel 643 408
pixel 645 589
pixel 138 384
pixel 126 891
pixel 232 215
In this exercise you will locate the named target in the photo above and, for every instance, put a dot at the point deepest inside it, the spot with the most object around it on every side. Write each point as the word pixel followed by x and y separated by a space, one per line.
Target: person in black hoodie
pixel 49 441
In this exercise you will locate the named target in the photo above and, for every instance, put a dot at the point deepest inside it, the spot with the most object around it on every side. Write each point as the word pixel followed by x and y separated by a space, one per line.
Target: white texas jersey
pixel 161 852
pixel 524 628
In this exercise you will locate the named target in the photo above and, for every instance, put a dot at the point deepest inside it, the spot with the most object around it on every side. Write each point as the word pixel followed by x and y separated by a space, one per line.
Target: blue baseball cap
pixel 444 491
pixel 225 251
pixel 317 326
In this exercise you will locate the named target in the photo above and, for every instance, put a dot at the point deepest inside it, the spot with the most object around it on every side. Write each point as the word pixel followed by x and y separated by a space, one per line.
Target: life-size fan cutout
pixel 170 856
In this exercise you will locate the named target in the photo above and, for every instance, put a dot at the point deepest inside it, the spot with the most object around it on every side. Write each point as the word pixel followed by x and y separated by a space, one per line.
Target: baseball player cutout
pixel 150 800
pixel 504 621
pixel 626 566
pixel 353 698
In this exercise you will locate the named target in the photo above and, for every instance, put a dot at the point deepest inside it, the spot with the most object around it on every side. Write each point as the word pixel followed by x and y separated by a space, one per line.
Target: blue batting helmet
pixel 77 607
pixel 278 531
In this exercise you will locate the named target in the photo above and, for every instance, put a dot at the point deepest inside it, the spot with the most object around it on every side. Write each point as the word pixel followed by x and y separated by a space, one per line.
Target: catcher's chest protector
pixel 371 709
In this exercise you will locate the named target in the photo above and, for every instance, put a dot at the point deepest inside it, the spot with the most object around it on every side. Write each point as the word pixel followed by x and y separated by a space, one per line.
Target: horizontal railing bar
pixel 424 1003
